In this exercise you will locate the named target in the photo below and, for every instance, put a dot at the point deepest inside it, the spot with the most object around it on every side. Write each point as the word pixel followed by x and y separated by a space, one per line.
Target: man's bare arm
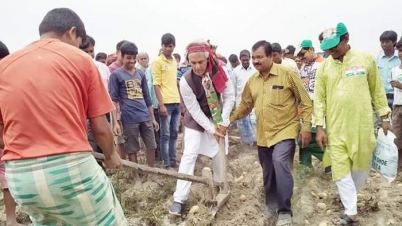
pixel 158 94
pixel 103 135
pixel 114 113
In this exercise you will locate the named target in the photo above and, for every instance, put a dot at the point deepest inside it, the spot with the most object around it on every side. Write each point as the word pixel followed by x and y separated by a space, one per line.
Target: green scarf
pixel 213 100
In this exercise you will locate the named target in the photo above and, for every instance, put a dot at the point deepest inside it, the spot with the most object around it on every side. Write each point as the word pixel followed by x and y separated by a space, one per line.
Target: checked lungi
pixel 68 189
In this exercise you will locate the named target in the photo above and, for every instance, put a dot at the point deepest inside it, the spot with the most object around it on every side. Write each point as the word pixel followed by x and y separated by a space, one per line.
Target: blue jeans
pixel 247 130
pixel 169 128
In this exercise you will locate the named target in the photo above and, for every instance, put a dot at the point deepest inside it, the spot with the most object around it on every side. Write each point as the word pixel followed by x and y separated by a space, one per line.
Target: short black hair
pixel 321 37
pixel 88 41
pixel 120 44
pixel 101 56
pixel 176 55
pixel 342 37
pixel 276 47
pixel 233 58
pixel 3 50
pixel 168 39
pixel 389 36
pixel 222 58
pixel 244 52
pixel 267 47
pixel 61 20
pixel 399 44
pixel 291 49
pixel 129 49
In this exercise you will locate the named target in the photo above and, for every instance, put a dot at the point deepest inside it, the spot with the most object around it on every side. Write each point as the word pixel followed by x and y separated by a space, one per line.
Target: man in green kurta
pixel 348 84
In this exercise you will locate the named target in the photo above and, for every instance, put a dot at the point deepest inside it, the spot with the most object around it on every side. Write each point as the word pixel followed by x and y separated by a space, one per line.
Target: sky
pixel 232 25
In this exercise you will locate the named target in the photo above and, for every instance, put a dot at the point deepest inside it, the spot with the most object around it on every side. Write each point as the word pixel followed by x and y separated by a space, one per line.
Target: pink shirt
pixel 114 66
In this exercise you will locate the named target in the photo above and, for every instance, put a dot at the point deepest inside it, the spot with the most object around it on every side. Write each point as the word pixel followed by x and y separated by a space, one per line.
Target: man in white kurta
pixel 201 136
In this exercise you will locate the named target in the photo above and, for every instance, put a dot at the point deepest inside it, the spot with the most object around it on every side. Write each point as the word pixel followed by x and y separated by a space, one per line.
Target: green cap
pixel 306 44
pixel 332 36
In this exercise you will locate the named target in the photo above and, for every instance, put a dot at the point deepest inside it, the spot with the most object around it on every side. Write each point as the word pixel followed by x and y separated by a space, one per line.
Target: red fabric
pixel 221 62
pixel 219 78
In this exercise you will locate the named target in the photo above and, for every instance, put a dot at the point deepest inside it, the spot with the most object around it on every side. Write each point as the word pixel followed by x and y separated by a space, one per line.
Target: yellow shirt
pixel 164 73
pixel 275 100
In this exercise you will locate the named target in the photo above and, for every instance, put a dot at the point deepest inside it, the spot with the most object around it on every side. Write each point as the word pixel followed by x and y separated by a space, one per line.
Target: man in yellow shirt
pixel 164 73
pixel 347 85
pixel 273 92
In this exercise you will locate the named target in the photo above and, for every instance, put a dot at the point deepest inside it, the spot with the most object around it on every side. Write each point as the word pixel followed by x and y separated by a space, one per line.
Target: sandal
pixel 346 220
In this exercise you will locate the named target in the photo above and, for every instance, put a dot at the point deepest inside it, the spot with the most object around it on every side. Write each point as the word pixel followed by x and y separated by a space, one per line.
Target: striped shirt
pixel 275 101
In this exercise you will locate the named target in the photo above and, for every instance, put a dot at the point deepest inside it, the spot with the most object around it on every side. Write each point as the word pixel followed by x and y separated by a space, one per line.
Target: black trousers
pixel 92 142
pixel 158 154
pixel 277 175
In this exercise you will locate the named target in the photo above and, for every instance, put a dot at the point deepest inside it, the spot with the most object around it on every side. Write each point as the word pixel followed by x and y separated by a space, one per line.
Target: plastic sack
pixel 385 156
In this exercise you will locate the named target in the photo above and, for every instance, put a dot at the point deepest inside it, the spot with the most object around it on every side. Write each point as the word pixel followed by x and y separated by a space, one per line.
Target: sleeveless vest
pixel 195 83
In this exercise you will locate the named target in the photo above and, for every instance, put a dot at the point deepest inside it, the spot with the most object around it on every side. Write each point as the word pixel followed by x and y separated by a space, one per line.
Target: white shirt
pixel 193 107
pixel 396 74
pixel 141 68
pixel 240 76
pixel 307 74
pixel 290 63
pixel 104 72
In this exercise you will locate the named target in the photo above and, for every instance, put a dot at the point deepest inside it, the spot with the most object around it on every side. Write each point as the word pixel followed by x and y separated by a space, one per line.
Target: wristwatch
pixel 387 119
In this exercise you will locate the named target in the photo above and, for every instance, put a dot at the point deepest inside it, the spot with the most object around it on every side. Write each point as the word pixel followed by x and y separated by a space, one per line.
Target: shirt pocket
pixel 277 95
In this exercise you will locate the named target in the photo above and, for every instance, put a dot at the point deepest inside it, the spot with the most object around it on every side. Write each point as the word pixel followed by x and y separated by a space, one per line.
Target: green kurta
pixel 344 95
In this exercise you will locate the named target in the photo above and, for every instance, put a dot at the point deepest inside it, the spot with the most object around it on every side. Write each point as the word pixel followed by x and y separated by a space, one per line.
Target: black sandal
pixel 346 220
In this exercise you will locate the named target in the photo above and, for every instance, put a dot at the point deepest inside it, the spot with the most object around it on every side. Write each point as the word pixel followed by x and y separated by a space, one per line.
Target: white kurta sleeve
pixel 193 107
pixel 228 101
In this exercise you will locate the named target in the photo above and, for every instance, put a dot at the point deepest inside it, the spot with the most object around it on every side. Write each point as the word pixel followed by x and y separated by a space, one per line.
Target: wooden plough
pixel 218 200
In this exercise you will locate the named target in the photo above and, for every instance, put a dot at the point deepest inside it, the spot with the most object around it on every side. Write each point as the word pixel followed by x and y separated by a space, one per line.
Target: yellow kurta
pixel 344 95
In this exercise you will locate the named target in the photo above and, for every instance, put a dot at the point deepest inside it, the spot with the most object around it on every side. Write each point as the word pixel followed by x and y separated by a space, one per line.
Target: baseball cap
pixel 306 44
pixel 332 36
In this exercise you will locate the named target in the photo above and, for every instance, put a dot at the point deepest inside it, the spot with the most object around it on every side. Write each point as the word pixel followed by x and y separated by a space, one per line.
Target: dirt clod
pixel 194 209
pixel 321 206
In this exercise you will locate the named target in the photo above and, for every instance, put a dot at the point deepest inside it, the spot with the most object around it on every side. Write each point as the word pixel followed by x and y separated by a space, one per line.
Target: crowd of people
pixel 59 102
